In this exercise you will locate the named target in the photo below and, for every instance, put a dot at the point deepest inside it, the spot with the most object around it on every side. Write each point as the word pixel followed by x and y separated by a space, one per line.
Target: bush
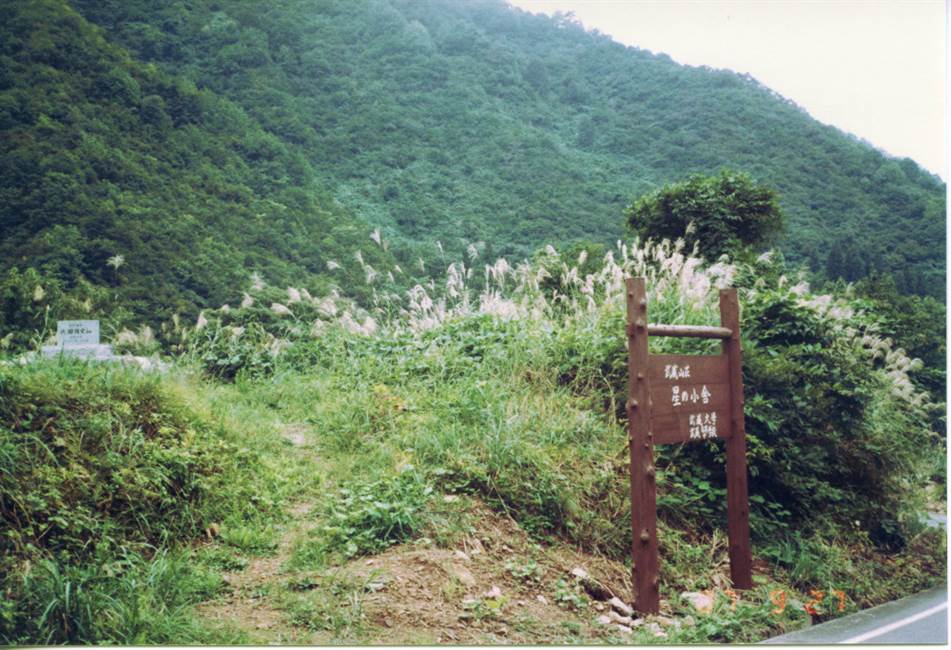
pixel 224 351
pixel 99 456
pixel 31 302
pixel 720 214
pixel 102 468
pixel 836 432
pixel 829 435
pixel 368 517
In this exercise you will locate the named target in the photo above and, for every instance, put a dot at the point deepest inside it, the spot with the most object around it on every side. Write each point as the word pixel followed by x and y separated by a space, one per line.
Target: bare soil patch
pixel 472 593
pixel 246 604
pixel 491 585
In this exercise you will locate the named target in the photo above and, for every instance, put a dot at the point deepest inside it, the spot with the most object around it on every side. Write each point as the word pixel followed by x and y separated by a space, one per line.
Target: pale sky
pixel 876 69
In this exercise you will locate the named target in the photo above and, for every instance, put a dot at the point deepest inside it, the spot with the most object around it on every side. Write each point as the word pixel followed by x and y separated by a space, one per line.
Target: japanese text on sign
pixel 682 396
pixel 703 426
pixel 673 371
pixel 690 398
pixel 77 332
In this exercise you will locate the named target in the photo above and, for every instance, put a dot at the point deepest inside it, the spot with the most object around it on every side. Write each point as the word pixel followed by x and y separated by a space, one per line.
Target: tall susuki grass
pixel 514 391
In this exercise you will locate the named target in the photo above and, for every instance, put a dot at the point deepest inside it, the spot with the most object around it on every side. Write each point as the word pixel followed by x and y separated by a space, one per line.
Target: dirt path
pixel 472 577
pixel 246 604
pixel 489 585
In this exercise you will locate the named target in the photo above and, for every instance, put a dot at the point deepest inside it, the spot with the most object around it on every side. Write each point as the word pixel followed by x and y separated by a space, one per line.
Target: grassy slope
pixel 527 435
pixel 351 477
pixel 279 577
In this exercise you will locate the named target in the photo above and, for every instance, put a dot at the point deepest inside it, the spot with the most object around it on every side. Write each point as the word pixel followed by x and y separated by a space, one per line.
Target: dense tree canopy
pixel 103 156
pixel 474 121
pixel 720 214
pixel 207 141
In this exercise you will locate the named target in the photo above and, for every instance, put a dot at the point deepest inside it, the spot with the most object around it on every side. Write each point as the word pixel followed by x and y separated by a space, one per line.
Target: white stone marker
pixel 78 338
pixel 77 332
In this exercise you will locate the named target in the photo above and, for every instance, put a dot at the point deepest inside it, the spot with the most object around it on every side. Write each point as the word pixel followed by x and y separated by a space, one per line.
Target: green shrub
pixel 31 302
pixel 367 517
pixel 224 351
pixel 102 456
pixel 103 468
pixel 832 432
pixel 829 433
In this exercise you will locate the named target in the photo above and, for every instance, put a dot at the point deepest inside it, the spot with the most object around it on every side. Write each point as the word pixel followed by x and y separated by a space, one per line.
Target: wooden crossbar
pixel 695 331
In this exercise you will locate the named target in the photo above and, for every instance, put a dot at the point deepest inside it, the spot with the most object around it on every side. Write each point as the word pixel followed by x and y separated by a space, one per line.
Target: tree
pixel 846 260
pixel 722 213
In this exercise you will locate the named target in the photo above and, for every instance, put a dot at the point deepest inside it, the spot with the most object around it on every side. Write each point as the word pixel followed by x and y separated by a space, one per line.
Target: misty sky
pixel 874 68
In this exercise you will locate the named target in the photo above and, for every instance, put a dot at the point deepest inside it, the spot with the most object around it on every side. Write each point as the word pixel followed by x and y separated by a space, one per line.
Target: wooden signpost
pixel 675 398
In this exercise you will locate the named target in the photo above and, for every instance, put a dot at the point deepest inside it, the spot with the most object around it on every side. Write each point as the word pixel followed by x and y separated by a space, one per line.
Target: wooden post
pixel 695 392
pixel 643 486
pixel 738 511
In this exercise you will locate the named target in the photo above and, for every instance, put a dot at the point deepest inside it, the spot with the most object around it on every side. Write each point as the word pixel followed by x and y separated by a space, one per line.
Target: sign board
pixel 689 396
pixel 676 398
pixel 78 339
pixel 77 332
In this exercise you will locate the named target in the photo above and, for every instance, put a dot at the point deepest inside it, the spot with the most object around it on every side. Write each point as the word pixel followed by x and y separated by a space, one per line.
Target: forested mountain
pixel 477 121
pixel 104 156
pixel 207 140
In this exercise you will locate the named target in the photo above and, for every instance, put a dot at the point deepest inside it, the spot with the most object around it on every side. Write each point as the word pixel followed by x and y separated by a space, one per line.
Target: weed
pixel 570 594
pixel 452 589
pixel 366 518
pixel 335 607
pixel 449 520
pixel 104 470
pixel 525 624
pixel 249 538
pixel 221 558
pixel 143 602
pixel 739 618
pixel 487 607
pixel 572 628
pixel 529 571
pixel 304 582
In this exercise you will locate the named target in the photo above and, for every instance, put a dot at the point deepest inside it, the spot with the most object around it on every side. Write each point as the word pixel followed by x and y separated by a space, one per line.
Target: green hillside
pixel 155 156
pixel 104 156
pixel 474 121
pixel 341 417
pixel 453 475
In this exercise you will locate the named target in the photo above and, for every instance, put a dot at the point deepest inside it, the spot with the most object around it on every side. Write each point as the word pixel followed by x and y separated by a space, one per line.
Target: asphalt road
pixel 921 618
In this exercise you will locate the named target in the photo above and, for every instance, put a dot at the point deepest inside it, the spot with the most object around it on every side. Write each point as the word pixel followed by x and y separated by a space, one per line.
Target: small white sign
pixel 77 332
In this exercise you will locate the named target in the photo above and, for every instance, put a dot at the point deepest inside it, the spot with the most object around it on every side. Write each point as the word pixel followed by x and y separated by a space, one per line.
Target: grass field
pixel 441 476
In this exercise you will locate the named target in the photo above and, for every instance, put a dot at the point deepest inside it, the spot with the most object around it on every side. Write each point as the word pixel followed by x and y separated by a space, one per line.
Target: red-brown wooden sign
pixel 675 398
pixel 689 397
